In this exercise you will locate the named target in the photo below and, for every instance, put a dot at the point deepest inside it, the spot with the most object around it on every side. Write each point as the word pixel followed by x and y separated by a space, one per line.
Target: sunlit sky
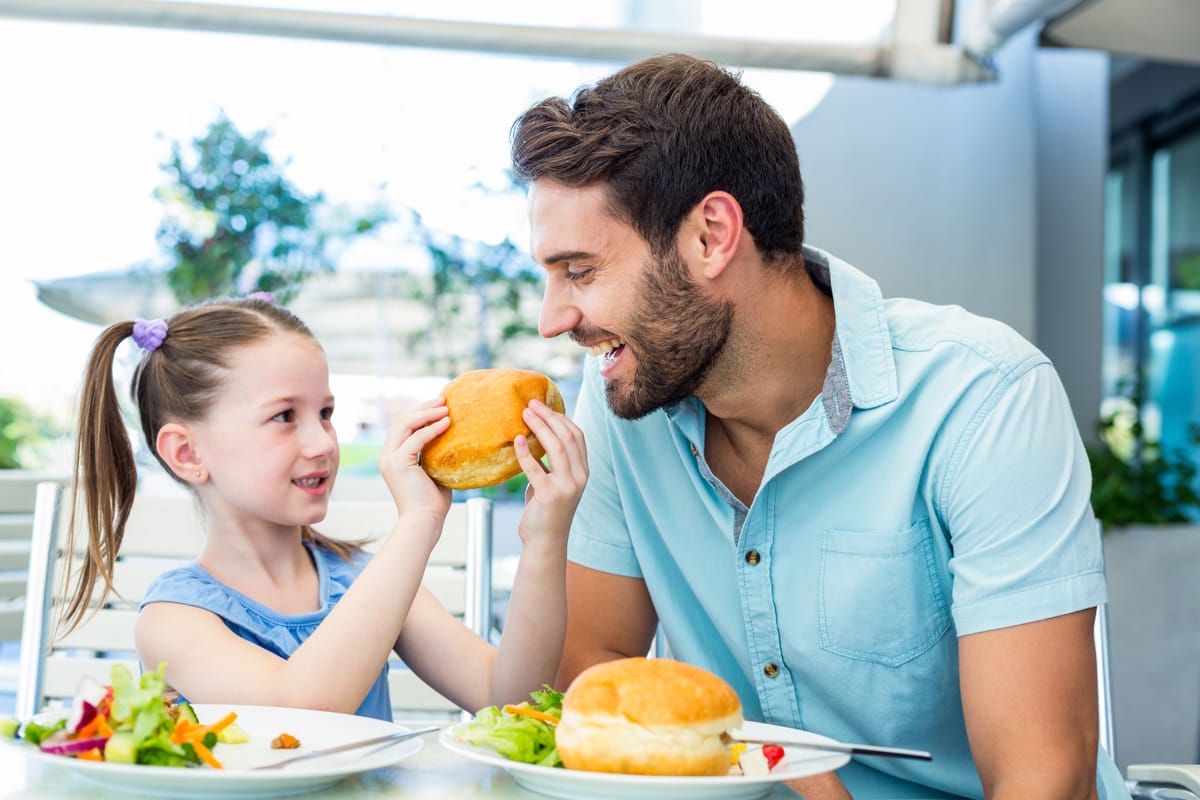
pixel 92 116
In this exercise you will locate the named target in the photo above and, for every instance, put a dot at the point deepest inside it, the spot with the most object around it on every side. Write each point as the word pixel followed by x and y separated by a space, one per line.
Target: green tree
pixel 235 224
pixel 22 433
pixel 492 290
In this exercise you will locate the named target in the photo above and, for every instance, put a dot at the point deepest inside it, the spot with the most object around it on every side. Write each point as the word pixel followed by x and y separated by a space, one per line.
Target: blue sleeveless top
pixel 278 633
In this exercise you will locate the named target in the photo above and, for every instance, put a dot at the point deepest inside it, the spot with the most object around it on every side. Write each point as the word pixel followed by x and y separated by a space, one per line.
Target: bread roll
pixel 648 717
pixel 485 416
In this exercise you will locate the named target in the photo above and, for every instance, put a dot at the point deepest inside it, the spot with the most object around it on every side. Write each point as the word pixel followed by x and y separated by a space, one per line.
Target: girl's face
pixel 268 443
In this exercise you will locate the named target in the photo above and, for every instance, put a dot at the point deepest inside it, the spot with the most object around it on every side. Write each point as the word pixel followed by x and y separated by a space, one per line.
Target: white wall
pixel 930 189
pixel 986 196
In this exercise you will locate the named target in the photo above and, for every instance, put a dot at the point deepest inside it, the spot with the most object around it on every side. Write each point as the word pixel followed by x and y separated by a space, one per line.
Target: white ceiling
pixel 1157 30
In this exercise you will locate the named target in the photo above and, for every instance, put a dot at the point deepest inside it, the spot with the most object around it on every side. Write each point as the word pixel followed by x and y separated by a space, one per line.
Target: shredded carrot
pixel 91 755
pixel 103 728
pixel 221 724
pixel 182 726
pixel 206 755
pixel 531 712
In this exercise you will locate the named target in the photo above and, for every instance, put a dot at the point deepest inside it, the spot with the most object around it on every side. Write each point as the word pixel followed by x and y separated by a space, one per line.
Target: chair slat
pixel 16 527
pixel 11 615
pixel 18 488
pixel 111 629
pixel 14 555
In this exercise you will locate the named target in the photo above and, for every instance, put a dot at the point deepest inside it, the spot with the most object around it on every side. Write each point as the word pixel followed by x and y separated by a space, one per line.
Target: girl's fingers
pixel 560 438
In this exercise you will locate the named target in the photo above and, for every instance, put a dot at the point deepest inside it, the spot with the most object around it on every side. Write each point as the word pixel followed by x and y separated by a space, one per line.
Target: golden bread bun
pixel 485 416
pixel 647 716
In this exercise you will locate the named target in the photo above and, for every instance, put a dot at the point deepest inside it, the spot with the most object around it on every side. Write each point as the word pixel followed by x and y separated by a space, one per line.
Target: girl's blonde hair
pixel 176 382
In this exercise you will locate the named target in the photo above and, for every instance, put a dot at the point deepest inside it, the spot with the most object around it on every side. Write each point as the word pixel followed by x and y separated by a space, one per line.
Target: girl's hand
pixel 553 493
pixel 411 487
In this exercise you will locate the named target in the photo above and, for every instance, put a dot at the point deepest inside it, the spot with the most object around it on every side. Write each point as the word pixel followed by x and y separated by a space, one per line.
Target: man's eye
pixel 576 274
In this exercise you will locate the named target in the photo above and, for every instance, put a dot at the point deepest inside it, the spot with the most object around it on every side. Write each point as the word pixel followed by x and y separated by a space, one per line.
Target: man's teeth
pixel 604 348
pixel 310 483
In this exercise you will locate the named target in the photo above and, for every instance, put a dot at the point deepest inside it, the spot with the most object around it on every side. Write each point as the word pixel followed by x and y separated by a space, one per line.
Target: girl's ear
pixel 176 446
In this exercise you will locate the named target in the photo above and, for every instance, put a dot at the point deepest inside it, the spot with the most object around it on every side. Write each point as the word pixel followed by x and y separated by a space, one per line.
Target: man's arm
pixel 1030 703
pixel 608 616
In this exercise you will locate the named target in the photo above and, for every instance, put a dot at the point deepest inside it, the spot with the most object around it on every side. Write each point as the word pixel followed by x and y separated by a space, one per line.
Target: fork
pixel 389 739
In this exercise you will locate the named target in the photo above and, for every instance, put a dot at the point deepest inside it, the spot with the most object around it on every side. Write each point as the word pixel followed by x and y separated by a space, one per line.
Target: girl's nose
pixel 320 440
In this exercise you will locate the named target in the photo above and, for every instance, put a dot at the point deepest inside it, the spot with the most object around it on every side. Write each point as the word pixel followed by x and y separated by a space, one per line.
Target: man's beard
pixel 678 332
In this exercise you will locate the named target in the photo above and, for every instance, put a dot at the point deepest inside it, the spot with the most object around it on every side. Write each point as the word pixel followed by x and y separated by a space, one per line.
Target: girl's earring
pixel 198 473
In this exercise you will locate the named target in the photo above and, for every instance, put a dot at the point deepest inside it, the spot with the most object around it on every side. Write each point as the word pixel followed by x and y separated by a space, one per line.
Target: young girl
pixel 234 401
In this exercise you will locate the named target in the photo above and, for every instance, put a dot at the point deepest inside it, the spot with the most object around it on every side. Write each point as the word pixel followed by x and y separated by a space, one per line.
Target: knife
pixel 790 740
pixel 391 738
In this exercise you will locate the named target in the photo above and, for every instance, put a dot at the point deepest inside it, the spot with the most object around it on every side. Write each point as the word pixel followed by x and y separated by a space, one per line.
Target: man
pixel 871 517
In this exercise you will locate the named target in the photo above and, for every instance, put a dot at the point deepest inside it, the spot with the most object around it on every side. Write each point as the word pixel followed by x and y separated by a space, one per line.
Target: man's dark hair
pixel 660 135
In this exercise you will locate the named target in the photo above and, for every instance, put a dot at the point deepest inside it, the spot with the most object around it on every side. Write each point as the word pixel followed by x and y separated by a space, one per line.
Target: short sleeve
pixel 1017 503
pixel 599 536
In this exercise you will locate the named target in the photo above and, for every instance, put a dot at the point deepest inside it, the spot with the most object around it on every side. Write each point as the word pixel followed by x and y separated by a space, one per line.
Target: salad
pixel 523 732
pixel 129 722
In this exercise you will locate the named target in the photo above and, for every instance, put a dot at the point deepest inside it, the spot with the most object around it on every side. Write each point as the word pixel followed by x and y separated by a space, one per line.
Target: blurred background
pixel 1035 162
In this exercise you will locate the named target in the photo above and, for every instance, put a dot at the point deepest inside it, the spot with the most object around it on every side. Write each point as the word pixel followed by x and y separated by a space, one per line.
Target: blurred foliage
pixel 234 224
pixel 1133 480
pixel 23 435
pixel 492 287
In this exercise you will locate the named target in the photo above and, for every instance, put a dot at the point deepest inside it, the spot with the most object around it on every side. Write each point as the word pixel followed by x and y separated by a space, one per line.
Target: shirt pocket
pixel 879 597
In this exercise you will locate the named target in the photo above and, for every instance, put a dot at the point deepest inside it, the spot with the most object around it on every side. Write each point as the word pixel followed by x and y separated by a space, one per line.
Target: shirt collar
pixel 862 348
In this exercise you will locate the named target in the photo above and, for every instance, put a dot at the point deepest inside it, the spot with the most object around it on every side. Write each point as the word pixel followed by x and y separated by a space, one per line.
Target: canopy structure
pixel 917 48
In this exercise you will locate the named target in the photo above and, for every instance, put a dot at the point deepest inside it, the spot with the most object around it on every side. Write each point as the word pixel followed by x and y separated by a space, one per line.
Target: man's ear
pixel 715 228
pixel 176 446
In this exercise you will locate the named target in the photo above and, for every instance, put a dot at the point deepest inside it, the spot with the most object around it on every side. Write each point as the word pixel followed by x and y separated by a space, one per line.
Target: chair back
pixel 165 531
pixel 18 489
pixel 1104 682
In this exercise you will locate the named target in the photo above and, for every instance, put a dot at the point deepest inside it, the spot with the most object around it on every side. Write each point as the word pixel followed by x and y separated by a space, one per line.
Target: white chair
pixel 165 530
pixel 17 491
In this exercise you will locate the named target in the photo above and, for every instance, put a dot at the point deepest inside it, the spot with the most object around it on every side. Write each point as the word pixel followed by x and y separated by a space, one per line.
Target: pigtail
pixel 105 478
pixel 345 549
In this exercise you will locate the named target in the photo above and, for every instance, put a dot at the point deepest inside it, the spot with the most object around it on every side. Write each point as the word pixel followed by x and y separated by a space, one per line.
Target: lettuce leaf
pixel 517 737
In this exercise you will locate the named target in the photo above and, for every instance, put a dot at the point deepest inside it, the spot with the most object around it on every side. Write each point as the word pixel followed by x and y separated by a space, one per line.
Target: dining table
pixel 434 771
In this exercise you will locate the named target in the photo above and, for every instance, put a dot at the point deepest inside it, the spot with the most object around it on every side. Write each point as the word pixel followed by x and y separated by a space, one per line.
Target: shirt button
pixel 771 671
pixel 752 558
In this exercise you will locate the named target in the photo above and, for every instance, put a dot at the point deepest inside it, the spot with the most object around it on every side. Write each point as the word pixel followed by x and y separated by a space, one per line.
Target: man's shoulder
pixel 918 326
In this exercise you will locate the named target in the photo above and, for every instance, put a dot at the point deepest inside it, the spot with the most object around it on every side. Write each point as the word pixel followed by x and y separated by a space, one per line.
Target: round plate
pixel 580 785
pixel 315 730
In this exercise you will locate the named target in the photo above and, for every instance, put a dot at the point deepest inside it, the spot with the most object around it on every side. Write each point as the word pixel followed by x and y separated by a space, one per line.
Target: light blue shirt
pixel 937 487
pixel 277 633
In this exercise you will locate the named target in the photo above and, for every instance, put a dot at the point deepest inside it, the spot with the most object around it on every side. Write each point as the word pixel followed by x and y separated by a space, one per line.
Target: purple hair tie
pixel 149 334
pixel 266 297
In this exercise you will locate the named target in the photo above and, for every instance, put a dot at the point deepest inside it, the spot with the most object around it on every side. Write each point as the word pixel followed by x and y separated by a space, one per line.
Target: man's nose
pixel 558 314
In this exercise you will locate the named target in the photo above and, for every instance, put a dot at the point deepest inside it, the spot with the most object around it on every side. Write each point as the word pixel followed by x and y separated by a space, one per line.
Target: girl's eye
pixel 327 413
pixel 284 416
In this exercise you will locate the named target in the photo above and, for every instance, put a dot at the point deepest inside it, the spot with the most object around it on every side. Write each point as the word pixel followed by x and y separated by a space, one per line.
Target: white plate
pixel 314 729
pixel 580 785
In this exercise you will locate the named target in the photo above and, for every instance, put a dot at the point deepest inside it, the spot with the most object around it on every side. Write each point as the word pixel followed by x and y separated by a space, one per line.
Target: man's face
pixel 656 332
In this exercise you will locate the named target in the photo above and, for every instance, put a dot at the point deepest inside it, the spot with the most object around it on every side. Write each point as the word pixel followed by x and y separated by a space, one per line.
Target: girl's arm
pixel 337 665
pixel 453 659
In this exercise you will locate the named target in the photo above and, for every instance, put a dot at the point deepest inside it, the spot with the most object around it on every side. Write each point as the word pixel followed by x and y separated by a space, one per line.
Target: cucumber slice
pixel 121 748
